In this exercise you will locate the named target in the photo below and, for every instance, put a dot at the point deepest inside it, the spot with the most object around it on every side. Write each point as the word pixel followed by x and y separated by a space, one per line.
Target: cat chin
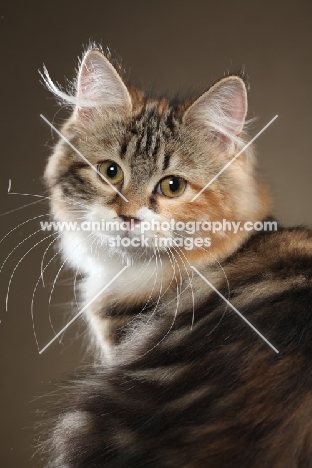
pixel 129 255
pixel 92 257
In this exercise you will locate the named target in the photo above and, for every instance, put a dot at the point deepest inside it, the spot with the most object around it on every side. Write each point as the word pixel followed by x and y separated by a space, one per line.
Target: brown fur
pixel 181 381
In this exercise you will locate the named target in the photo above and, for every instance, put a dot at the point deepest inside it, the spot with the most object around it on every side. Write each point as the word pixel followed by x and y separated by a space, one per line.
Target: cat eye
pixel 111 171
pixel 171 186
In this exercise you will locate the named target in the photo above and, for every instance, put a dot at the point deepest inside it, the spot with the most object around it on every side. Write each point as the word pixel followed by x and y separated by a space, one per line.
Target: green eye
pixel 111 171
pixel 171 186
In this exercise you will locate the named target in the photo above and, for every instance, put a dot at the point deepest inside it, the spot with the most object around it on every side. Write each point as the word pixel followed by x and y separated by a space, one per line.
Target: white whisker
pixel 21 224
pixel 16 247
pixel 21 207
pixel 43 256
pixel 18 263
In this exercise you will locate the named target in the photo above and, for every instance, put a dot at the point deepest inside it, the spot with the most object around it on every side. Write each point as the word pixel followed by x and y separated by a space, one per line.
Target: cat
pixel 179 378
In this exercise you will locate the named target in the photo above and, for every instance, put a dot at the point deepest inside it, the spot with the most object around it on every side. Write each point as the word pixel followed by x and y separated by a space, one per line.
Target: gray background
pixel 175 46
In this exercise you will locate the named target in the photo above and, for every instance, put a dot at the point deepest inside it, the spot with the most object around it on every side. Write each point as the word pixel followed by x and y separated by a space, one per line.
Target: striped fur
pixel 181 380
pixel 213 395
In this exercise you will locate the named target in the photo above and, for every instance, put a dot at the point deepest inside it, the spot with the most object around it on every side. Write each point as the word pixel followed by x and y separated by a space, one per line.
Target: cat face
pixel 142 159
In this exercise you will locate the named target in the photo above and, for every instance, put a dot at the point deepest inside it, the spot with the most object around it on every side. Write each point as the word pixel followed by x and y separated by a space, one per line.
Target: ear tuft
pixel 99 85
pixel 222 110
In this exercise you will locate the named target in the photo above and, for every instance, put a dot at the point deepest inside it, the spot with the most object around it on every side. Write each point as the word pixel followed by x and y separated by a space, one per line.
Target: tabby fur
pixel 180 380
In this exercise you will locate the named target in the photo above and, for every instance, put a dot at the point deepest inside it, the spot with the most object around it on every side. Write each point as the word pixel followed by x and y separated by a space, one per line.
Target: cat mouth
pixel 130 223
pixel 130 219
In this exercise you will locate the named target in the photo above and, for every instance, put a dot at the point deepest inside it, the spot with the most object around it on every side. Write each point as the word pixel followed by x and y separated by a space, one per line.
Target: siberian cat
pixel 180 379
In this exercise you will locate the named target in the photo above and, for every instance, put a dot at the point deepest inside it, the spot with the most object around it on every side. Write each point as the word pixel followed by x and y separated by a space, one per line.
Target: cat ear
pixel 99 85
pixel 221 111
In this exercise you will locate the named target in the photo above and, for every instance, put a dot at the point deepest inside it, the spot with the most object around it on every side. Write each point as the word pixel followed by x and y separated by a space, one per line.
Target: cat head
pixel 128 156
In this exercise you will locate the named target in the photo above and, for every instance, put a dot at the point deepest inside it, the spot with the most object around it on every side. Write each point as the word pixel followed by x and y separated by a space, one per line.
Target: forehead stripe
pixel 166 161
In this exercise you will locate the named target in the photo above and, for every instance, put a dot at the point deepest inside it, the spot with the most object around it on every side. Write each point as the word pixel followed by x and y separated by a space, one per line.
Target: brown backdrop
pixel 174 45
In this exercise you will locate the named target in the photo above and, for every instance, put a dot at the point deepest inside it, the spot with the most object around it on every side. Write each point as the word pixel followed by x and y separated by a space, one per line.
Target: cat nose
pixel 127 219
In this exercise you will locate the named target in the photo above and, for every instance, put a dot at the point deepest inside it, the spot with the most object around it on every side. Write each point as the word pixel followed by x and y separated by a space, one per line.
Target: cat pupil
pixel 112 170
pixel 174 184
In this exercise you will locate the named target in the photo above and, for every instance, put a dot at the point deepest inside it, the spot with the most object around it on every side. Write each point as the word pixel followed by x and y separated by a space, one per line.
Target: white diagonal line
pixel 235 310
pixel 83 157
pixel 233 159
pixel 83 309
